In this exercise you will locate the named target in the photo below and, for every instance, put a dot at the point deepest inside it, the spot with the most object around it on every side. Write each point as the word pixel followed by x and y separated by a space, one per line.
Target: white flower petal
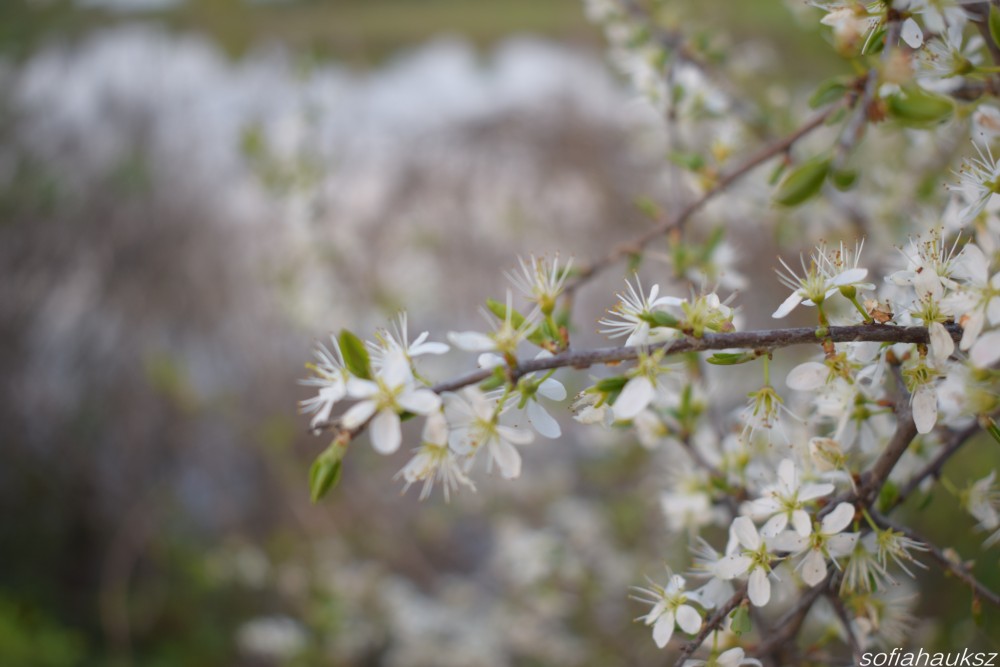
pixel 664 629
pixel 788 305
pixel 925 407
pixel 358 388
pixel 942 345
pixel 358 414
pixel 635 396
pixel 801 522
pixel 912 34
pixel 419 401
pixel 849 276
pixel 813 567
pixel 774 525
pixel 688 619
pixel 986 351
pixel 808 376
pixel 507 459
pixel 543 421
pixel 746 533
pixel 385 432
pixel 552 390
pixel 471 341
pixel 838 519
pixel 730 567
pixel 813 491
pixel 518 436
pixel 428 348
pixel 759 588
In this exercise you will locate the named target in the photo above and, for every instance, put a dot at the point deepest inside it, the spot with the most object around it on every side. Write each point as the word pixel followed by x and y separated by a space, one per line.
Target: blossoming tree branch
pixel 903 369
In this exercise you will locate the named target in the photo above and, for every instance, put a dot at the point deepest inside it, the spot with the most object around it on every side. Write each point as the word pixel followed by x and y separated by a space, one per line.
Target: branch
pixel 763 155
pixel 764 339
pixel 789 624
pixel 935 465
pixel 711 625
pixel 958 569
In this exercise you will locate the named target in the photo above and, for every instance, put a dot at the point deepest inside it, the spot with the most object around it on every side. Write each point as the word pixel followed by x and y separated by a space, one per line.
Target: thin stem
pixel 711 625
pixel 958 569
pixel 763 155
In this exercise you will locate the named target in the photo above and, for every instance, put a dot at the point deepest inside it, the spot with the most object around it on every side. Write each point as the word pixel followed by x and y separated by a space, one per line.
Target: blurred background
pixel 192 193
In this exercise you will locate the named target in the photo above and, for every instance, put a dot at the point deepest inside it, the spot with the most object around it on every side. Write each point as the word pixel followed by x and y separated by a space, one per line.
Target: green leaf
pixel 915 106
pixel 843 179
pixel 498 379
pixel 658 318
pixel 355 355
pixel 690 161
pixel 324 475
pixel 803 182
pixel 731 358
pixel 993 429
pixel 611 384
pixel 740 620
pixel 648 208
pixel 887 495
pixel 830 90
pixel 994 23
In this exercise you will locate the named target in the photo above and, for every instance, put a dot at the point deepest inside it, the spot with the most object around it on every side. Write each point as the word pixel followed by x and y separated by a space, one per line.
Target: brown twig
pixel 935 465
pixel 711 625
pixel 957 569
pixel 763 155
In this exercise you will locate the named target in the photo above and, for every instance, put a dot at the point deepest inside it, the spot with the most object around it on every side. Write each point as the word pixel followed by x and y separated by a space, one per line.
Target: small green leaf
pixel 740 620
pixel 994 22
pixel 690 161
pixel 993 429
pixel 611 384
pixel 324 475
pixel 355 355
pixel 803 182
pixel 887 495
pixel 843 179
pixel 500 310
pixel 648 208
pixel 658 318
pixel 830 90
pixel 916 106
pixel 731 358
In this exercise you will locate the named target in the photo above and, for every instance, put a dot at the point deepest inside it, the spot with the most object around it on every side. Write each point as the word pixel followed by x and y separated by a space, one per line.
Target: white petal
pixel 986 351
pixel 849 276
pixel 801 522
pixel 788 476
pixel 842 544
pixel 552 389
pixel 358 414
pixel 436 429
pixel 635 396
pixel 808 376
pixel 396 371
pixel 774 525
pixel 358 388
pixel 925 408
pixel 788 305
pixel 663 629
pixel 489 360
pixel 971 263
pixel 471 341
pixel 688 619
pixel 813 567
pixel 759 588
pixel 428 348
pixel 838 519
pixel 942 344
pixel 543 421
pixel 507 459
pixel 386 435
pixel 518 436
pixel 788 541
pixel 746 533
pixel 733 566
pixel 419 401
pixel 813 491
pixel 912 34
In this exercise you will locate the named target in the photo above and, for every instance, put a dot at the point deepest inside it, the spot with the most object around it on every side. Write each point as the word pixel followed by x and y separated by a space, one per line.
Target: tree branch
pixel 763 155
pixel 764 340
pixel 935 465
pixel 959 570
pixel 712 624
